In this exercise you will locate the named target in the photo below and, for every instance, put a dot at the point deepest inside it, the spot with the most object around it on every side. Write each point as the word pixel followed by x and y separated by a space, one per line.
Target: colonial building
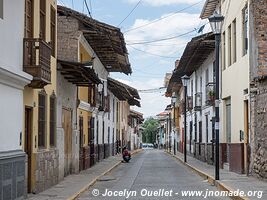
pixel 39 60
pixel 127 96
pixel 234 109
pixel 200 97
pixel 12 81
pixel 135 121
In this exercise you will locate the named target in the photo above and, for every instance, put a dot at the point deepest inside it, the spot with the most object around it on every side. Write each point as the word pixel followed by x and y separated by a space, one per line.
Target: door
pixel 66 125
pixel 81 156
pixel 191 135
pixel 28 143
pixel 91 141
pixel 200 136
pixel 246 137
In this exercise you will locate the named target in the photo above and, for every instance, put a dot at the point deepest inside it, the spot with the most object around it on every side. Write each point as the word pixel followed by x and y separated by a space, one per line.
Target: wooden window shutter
pixel 52 119
pixel 53 30
pixel 42 19
pixel 41 119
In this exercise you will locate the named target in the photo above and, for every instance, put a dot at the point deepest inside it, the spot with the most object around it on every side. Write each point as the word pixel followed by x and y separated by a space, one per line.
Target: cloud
pixel 164 2
pixel 172 26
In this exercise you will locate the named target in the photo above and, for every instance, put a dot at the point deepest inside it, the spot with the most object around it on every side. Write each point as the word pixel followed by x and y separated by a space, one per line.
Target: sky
pixel 151 58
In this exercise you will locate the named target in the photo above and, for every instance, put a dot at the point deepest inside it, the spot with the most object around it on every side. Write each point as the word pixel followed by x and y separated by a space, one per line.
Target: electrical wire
pixel 163 17
pixel 61 1
pixel 91 8
pixel 163 39
pixel 151 53
pixel 87 7
pixel 130 12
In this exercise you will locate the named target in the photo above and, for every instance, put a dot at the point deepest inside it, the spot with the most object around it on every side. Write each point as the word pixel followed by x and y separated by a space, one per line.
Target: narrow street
pixel 149 170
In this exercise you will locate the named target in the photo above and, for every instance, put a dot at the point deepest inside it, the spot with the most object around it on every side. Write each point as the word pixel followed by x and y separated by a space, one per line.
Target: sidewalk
pixel 75 184
pixel 229 181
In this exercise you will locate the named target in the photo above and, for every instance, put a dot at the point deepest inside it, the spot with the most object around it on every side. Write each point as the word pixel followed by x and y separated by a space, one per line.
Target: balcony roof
pixel 124 92
pixel 195 53
pixel 209 8
pixel 107 41
pixel 77 73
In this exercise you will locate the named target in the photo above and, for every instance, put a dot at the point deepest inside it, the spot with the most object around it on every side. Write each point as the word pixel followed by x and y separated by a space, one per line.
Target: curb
pixel 210 179
pixel 73 197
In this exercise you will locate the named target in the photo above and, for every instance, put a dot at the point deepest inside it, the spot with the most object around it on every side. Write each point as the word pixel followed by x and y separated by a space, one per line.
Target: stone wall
pixel 12 175
pixel 258 82
pixel 47 172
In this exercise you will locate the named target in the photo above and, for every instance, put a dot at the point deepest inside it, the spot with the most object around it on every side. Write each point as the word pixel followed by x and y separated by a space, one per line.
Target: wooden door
pixel 66 125
pixel 91 140
pixel 28 143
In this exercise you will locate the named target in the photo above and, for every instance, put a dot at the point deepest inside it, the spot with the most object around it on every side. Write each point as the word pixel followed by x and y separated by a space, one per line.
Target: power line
pixel 130 12
pixel 87 7
pixel 61 1
pixel 153 90
pixel 163 39
pixel 152 53
pixel 91 8
pixel 163 17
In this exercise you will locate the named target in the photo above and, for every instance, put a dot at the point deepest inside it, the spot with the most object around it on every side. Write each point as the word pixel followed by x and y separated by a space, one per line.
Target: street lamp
pixel 185 80
pixel 216 26
pixel 174 98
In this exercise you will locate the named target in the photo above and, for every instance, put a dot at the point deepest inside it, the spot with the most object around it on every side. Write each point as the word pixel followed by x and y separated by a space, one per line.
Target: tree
pixel 150 130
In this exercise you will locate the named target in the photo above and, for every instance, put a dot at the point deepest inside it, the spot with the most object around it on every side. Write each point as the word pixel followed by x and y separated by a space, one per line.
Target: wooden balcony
pixel 36 61
pixel 198 101
pixel 210 94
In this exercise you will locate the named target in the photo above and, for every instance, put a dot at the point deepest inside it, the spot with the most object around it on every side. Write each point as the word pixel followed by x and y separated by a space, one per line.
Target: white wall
pixel 12 78
pixel 11 35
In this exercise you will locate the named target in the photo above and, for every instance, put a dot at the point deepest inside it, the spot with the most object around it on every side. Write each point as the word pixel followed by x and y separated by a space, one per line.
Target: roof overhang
pixel 124 92
pixel 195 53
pixel 209 8
pixel 107 41
pixel 80 74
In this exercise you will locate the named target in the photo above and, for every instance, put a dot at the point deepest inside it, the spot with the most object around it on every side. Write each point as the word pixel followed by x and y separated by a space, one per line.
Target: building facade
pixel 40 95
pixel 12 81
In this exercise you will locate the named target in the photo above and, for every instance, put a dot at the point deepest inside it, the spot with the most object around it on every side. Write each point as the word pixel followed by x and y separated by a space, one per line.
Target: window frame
pixel 42 31
pixel 42 122
pixel 245 28
pixel 1 9
pixel 52 119
pixel 53 19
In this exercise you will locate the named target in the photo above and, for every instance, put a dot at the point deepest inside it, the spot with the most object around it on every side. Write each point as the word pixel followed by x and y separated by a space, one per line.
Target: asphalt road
pixel 151 174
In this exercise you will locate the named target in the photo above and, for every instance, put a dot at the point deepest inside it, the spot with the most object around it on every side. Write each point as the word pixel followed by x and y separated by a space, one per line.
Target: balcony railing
pixel 36 61
pixel 198 101
pixel 210 94
pixel 189 103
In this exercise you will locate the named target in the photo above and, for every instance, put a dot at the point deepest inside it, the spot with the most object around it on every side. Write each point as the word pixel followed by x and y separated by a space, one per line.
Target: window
pixel 81 131
pixel 42 19
pixel 41 119
pixel 245 30
pixel 234 40
pixel 229 46
pixel 52 119
pixel 28 22
pixel 1 9
pixel 91 95
pixel 223 51
pixel 207 76
pixel 53 30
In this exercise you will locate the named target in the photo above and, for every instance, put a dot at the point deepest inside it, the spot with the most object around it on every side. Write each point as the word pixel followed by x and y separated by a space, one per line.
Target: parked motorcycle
pixel 126 155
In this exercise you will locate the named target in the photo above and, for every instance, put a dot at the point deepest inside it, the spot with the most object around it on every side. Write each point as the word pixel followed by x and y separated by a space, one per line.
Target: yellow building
pixel 40 95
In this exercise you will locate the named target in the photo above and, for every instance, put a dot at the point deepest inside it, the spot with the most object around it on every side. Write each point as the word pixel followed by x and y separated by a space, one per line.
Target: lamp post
pixel 185 80
pixel 216 26
pixel 174 98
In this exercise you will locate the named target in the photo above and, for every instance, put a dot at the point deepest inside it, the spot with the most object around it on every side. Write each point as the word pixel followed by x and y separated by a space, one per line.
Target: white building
pixel 12 82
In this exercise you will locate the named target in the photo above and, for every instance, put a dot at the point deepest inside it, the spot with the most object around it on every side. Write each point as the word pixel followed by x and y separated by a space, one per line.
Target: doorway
pixel 66 125
pixel 28 143
pixel 246 137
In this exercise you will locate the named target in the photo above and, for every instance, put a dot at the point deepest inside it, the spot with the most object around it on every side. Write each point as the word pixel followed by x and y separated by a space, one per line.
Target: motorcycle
pixel 126 155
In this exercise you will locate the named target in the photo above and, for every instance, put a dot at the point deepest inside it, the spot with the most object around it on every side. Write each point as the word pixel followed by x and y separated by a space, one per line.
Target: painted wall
pixel 235 78
pixel 12 78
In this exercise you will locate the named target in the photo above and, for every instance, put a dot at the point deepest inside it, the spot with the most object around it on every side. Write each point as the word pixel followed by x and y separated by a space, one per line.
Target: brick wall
pixel 258 81
pixel 67 41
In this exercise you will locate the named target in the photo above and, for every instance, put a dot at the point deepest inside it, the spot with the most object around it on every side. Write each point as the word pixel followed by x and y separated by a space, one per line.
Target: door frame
pixel 28 143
